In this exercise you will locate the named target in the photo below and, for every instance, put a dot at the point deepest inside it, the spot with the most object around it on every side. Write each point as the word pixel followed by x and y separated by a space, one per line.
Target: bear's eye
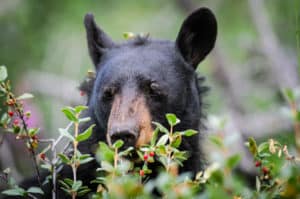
pixel 108 93
pixel 155 90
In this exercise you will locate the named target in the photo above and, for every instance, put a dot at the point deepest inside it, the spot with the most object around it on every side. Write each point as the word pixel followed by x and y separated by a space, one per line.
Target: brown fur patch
pixel 145 120
pixel 135 113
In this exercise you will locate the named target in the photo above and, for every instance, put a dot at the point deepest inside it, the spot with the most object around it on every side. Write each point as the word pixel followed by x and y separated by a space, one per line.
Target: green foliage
pixel 3 73
pixel 126 173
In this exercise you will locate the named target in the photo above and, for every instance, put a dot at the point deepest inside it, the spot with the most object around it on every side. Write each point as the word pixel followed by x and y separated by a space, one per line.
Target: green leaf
pixel 289 94
pixel 172 119
pixel 216 140
pixel 180 156
pixel 154 136
pixel 67 183
pixel 86 160
pixel 35 190
pixel 86 134
pixel 233 160
pixel 3 73
pixel 118 144
pixel 66 134
pixel 79 109
pixel 64 158
pixel 176 141
pixel 263 146
pixel 126 152
pixel 83 156
pixel 14 192
pixel 252 146
pixel 161 128
pixel 25 96
pixel 106 166
pixel 76 185
pixel 83 190
pixel 163 160
pixel 69 113
pixel 189 132
pixel 65 186
pixel 105 153
pixel 163 140
pixel 33 131
pixel 84 119
pixel 46 166
pixel 128 35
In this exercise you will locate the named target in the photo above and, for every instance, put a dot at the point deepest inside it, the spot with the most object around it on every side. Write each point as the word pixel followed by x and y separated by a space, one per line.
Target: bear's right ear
pixel 197 36
pixel 97 40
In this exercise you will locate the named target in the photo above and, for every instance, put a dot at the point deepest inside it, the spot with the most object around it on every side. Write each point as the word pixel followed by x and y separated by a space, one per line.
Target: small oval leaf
pixel 25 96
pixel 163 140
pixel 86 134
pixel 189 132
pixel 64 158
pixel 172 119
pixel 161 128
pixel 35 190
pixel 118 144
pixel 3 73
pixel 69 114
pixel 79 109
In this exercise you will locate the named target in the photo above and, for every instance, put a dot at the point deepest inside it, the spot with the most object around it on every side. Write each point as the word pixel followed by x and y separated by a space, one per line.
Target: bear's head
pixel 142 79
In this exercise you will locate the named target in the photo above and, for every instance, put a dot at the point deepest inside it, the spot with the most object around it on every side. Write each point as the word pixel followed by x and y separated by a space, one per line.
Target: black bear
pixel 141 80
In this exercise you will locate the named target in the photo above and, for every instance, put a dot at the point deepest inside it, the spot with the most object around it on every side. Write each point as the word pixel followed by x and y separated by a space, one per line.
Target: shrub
pixel 123 176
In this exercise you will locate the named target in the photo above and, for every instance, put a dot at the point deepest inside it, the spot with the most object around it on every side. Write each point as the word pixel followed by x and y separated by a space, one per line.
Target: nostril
pixel 128 137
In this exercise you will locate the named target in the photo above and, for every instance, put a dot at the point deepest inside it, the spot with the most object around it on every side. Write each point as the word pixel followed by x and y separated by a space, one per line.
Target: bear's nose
pixel 127 136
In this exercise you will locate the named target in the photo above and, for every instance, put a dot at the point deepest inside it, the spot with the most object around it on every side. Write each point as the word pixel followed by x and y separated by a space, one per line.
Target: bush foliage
pixel 121 176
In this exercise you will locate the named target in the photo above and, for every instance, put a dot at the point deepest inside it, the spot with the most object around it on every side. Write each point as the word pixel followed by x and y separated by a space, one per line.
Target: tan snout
pixel 130 121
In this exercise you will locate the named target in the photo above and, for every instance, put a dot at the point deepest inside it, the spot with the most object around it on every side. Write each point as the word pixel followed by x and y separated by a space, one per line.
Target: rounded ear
pixel 197 36
pixel 97 39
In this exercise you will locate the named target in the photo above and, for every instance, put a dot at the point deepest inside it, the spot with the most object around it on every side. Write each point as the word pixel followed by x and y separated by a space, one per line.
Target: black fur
pixel 130 67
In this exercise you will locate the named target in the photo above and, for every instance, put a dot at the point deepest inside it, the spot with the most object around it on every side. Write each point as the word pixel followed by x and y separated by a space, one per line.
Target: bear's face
pixel 135 85
pixel 139 81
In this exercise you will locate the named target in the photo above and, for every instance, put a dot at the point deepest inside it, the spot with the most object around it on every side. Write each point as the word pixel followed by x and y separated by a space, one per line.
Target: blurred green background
pixel 43 45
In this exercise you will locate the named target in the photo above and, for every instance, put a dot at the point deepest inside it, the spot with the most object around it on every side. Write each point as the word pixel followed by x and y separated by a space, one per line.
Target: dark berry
pixel 16 122
pixel 258 163
pixel 10 113
pixel 265 170
pixel 152 154
pixel 142 173
pixel 43 156
pixel 146 157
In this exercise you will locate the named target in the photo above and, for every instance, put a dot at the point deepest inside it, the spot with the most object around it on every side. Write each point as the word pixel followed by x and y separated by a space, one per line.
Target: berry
pixel 258 163
pixel 10 113
pixel 146 157
pixel 142 173
pixel 265 170
pixel 82 93
pixel 152 154
pixel 16 122
pixel 43 156
pixel 34 137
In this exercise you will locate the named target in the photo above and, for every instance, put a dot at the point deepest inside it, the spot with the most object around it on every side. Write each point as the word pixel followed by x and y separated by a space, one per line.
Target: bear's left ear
pixel 97 39
pixel 197 36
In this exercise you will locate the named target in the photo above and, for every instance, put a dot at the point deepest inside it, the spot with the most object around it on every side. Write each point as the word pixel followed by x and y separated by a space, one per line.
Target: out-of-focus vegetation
pixel 122 176
pixel 256 55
